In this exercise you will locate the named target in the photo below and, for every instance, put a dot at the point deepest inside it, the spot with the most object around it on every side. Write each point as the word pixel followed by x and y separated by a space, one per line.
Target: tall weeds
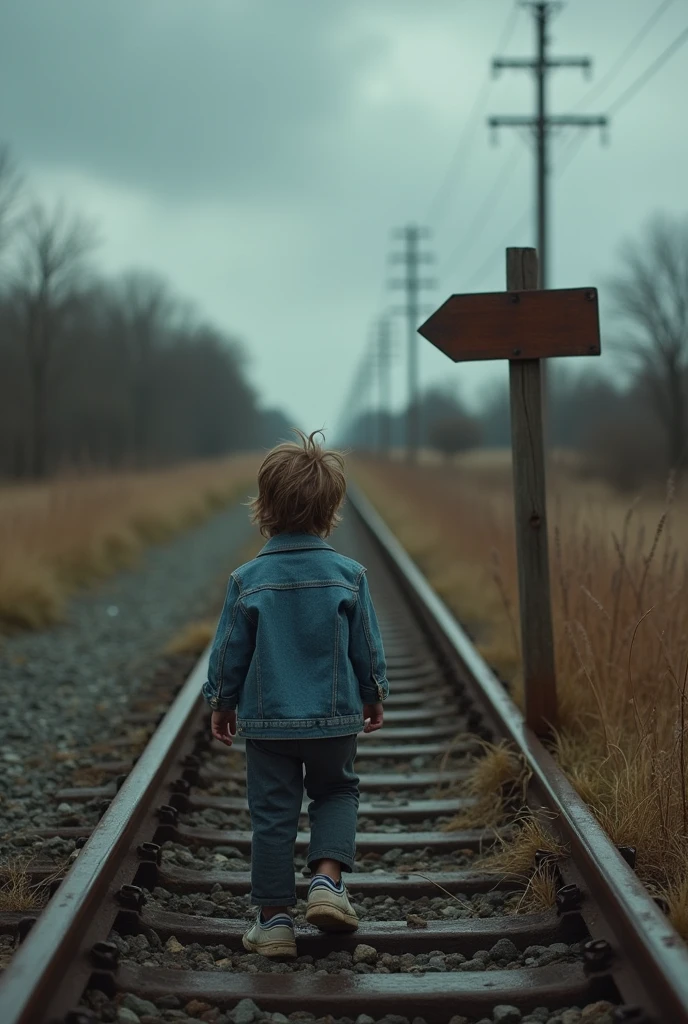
pixel 620 606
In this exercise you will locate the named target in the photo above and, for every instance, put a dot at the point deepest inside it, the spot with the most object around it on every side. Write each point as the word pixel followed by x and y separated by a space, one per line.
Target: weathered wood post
pixel 525 325
pixel 530 505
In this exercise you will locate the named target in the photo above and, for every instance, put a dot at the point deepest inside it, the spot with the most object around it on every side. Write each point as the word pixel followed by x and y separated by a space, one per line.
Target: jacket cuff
pixel 216 701
pixel 378 694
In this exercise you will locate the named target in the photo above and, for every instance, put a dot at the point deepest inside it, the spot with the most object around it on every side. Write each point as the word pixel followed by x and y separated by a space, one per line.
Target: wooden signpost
pixel 525 325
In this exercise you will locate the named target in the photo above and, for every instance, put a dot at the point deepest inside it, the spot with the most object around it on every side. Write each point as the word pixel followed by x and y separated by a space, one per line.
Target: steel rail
pixel 57 937
pixel 641 929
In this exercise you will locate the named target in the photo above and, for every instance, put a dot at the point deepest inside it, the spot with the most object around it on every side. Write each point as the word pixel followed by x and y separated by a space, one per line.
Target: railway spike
pixel 629 855
pixel 105 955
pixel 569 898
pixel 168 815
pixel 545 859
pixel 598 954
pixel 150 852
pixel 130 897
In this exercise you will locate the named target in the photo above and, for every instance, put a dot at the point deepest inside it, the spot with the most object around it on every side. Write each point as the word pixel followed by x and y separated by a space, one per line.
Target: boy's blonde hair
pixel 300 488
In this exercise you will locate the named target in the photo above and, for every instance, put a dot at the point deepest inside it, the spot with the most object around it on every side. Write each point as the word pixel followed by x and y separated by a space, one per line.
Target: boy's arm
pixel 365 647
pixel 231 653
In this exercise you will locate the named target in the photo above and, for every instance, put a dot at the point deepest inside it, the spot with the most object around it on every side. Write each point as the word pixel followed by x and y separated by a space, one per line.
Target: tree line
pixel 106 372
pixel 629 427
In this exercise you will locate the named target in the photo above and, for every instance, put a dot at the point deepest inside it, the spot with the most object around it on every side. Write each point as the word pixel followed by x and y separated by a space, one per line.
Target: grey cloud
pixel 177 97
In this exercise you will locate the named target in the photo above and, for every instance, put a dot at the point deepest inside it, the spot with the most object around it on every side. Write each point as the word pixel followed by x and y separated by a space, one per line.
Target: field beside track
pixel 619 573
pixel 64 533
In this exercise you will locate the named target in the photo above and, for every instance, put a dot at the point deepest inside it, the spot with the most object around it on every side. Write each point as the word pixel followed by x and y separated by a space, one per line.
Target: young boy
pixel 298 653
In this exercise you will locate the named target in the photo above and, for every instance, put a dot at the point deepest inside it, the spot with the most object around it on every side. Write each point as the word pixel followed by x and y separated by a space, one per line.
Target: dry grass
pixel 620 603
pixel 18 892
pixel 497 777
pixel 540 893
pixel 65 533
pixel 516 853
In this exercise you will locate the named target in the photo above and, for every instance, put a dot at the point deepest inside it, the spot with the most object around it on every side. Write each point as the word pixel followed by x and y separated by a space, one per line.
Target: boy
pixel 298 652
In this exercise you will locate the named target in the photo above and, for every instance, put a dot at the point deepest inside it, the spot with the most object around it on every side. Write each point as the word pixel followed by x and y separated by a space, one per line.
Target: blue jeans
pixel 275 784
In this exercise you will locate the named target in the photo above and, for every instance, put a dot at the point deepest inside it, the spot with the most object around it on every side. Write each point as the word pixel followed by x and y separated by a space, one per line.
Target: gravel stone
pixel 505 949
pixel 365 954
pixel 597 1012
pixel 245 1012
pixel 506 1015
pixel 77 679
pixel 195 1008
pixel 127 1016
pixel 472 965
pixel 140 1006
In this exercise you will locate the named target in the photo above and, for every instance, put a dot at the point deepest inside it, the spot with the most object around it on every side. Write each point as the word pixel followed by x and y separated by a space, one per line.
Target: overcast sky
pixel 258 152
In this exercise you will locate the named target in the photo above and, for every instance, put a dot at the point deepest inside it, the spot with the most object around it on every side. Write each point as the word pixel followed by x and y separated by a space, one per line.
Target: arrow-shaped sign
pixel 517 325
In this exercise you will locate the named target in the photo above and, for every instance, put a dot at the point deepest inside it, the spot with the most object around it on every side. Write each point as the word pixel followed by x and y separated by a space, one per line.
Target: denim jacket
pixel 298 648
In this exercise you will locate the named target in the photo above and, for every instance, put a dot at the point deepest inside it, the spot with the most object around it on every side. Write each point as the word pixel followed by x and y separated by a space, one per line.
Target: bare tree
pixel 143 313
pixel 651 297
pixel 51 270
pixel 11 184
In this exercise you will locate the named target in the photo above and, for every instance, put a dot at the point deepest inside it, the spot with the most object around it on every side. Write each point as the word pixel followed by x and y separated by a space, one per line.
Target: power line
pixel 488 206
pixel 603 84
pixel 642 79
pixel 471 125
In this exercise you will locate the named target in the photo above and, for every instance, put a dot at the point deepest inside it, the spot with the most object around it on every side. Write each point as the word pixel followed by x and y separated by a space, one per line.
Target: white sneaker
pixel 271 938
pixel 329 908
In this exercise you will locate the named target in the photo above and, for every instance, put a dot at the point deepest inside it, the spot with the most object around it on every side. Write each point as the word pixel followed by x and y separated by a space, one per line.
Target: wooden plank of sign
pixel 537 642
pixel 517 324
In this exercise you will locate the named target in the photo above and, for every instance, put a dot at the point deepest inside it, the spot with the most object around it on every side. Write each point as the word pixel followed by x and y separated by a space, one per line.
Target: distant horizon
pixel 259 156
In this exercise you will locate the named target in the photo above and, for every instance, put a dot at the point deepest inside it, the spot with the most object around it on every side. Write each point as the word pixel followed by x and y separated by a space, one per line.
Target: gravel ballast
pixel 229 858
pixel 223 903
pixel 169 1008
pixel 69 687
pixel 151 951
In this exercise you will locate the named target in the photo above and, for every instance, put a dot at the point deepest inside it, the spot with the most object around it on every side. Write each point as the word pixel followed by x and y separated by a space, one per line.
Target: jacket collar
pixel 294 542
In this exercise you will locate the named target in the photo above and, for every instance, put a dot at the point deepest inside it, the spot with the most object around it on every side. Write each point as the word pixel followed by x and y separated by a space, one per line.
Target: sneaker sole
pixel 269 948
pixel 330 919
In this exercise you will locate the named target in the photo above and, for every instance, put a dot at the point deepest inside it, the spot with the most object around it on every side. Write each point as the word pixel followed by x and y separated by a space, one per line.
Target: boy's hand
pixel 224 725
pixel 373 715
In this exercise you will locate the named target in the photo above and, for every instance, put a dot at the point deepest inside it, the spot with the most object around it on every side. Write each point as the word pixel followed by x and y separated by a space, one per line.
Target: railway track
pixel 147 924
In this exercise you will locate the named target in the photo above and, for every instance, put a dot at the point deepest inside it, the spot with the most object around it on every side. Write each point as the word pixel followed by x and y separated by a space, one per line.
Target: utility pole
pixel 543 123
pixel 413 284
pixel 384 360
